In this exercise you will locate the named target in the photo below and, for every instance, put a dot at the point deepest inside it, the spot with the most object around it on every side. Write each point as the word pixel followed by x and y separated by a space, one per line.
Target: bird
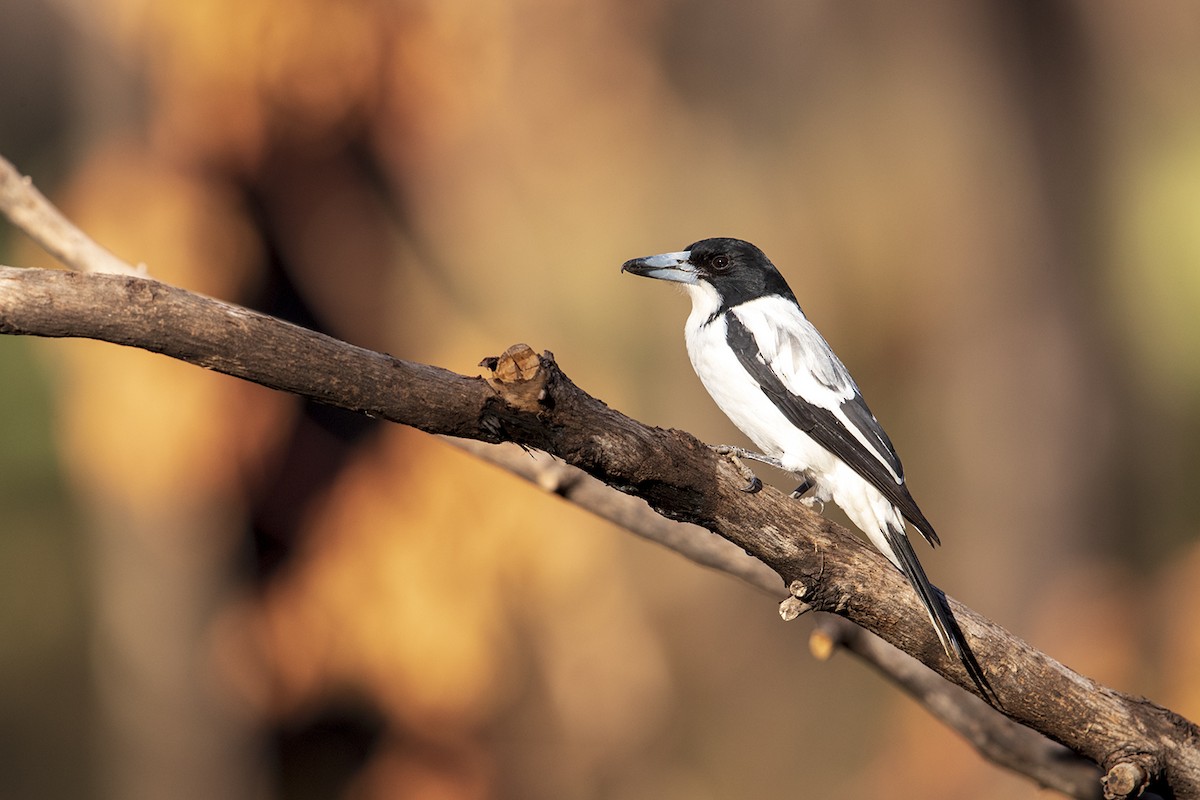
pixel 777 379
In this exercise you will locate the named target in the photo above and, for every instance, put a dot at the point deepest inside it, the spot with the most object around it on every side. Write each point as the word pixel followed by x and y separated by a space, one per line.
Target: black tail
pixel 951 636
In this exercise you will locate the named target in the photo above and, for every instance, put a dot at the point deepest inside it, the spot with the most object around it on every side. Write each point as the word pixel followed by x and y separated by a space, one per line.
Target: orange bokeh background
pixel 211 590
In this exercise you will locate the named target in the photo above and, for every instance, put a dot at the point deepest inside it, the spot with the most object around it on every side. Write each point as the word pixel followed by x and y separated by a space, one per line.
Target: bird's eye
pixel 720 263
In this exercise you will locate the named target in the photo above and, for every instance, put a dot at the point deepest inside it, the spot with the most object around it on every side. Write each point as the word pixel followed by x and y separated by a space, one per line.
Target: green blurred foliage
pixel 43 613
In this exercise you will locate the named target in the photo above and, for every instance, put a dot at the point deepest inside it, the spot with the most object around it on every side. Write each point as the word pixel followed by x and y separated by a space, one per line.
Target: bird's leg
pixel 735 456
pixel 799 491
pixel 734 451
pixel 815 503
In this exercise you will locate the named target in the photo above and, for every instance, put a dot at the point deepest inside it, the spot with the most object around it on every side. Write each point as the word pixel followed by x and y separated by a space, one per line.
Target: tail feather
pixel 951 636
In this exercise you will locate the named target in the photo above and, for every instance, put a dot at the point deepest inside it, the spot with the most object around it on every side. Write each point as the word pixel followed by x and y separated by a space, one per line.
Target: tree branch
pixel 525 398
pixel 996 737
pixel 580 489
pixel 30 211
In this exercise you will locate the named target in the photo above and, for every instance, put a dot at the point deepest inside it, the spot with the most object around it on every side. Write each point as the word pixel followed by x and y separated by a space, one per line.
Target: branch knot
pixel 520 376
pixel 1128 777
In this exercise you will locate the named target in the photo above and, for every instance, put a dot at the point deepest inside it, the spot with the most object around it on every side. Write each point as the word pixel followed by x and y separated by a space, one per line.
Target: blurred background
pixel 991 209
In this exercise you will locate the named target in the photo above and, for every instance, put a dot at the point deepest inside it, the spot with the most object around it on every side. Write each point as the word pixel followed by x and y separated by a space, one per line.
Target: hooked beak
pixel 665 267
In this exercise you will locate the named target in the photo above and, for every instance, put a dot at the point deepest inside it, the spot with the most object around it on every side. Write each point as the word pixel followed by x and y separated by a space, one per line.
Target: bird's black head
pixel 736 269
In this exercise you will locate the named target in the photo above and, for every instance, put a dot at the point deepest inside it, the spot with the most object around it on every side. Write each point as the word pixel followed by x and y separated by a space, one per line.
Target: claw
pixel 735 454
pixel 814 504
pixel 754 486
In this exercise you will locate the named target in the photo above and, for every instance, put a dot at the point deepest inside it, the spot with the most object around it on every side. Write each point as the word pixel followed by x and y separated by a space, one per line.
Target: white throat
pixel 705 303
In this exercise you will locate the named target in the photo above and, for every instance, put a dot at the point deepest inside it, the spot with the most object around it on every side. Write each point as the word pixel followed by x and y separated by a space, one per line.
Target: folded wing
pixel 800 374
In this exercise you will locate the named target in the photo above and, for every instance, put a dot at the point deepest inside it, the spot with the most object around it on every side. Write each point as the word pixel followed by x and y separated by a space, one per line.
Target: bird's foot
pixel 735 456
pixel 813 502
